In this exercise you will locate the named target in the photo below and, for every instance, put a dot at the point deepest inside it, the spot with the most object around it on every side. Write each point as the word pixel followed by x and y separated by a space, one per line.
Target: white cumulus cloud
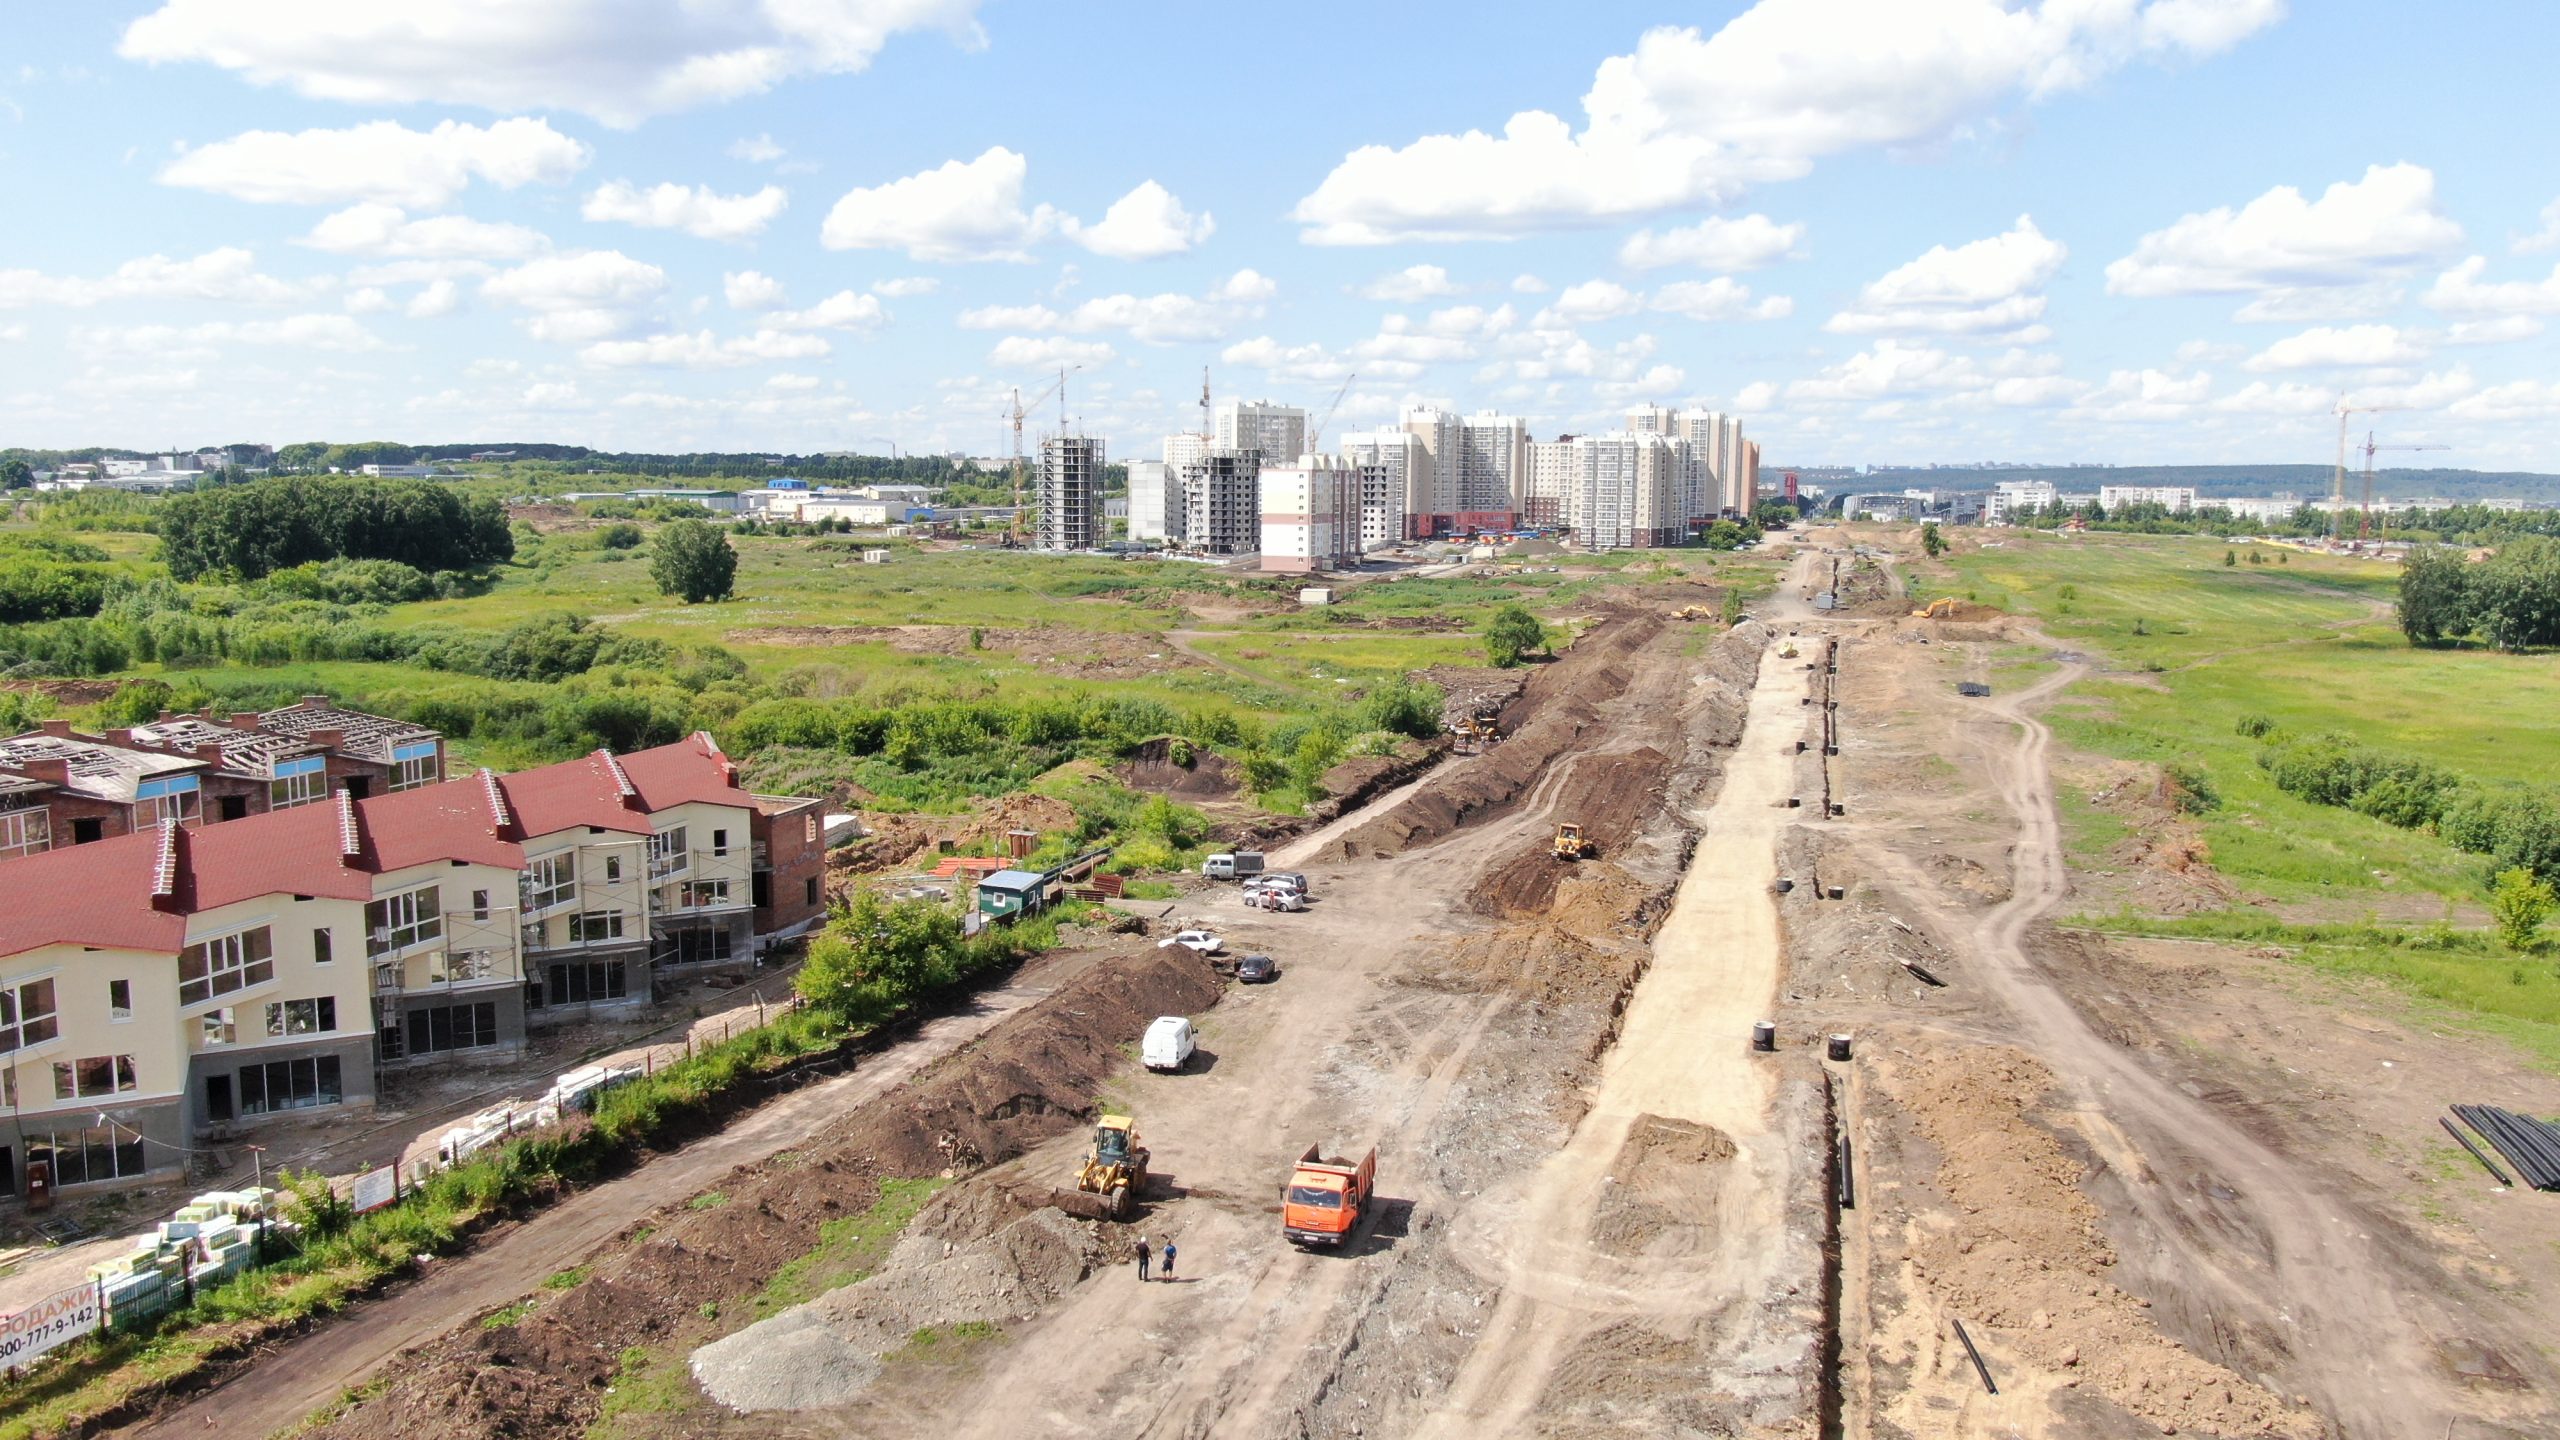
pixel 381 161
pixel 374 228
pixel 844 310
pixel 2331 346
pixel 701 350
pixel 1987 286
pixel 959 210
pixel 904 285
pixel 751 290
pixel 1590 301
pixel 617 60
pixel 437 297
pixel 226 274
pixel 1746 243
pixel 1048 352
pixel 2460 291
pixel 2386 221
pixel 1410 284
pixel 1148 223
pixel 1690 118
pixel 697 210
pixel 1721 298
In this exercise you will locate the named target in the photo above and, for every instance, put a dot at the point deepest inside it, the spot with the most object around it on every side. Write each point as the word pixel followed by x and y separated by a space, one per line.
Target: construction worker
pixel 1168 1259
pixel 1144 1255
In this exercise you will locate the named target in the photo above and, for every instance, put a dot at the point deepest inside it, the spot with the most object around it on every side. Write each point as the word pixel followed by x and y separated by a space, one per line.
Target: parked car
pixel 1282 879
pixel 1274 897
pixel 1168 1044
pixel 1256 970
pixel 1197 941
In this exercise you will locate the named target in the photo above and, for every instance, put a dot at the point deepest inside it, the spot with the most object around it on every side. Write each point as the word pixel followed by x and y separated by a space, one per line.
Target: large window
pixel 595 925
pixel 693 947
pixel 94 1077
pixel 396 922
pixel 106 1152
pixel 171 797
pixel 302 1017
pixel 25 832
pixel 289 1085
pixel 550 881
pixel 667 853
pixel 298 782
pixel 220 1026
pixel 26 1015
pixel 696 894
pixel 224 964
pixel 452 1027
pixel 578 981
pixel 458 966
pixel 413 765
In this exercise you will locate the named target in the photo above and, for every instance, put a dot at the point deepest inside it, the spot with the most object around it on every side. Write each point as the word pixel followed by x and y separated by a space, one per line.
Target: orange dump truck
pixel 1326 1198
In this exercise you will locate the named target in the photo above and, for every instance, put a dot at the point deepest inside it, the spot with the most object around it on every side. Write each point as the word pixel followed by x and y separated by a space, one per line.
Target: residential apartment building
pixel 1550 469
pixel 2011 498
pixel 1477 471
pixel 1070 495
pixel 2178 499
pixel 1155 502
pixel 1626 489
pixel 60 787
pixel 1222 503
pixel 1404 467
pixel 175 985
pixel 1278 433
pixel 1311 514
pixel 1180 450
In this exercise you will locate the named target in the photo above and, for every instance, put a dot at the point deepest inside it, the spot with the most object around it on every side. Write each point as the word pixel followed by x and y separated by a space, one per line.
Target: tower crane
pixel 2364 520
pixel 2347 409
pixel 1019 411
pixel 1315 435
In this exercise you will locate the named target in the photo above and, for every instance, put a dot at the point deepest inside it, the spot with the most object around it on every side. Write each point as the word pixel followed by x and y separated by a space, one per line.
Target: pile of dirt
pixel 1662 1191
pixel 949 1269
pixel 2017 1249
pixel 2163 863
pixel 1612 796
pixel 1362 778
pixel 915 842
pixel 1199 775
pixel 1022 1083
pixel 1470 688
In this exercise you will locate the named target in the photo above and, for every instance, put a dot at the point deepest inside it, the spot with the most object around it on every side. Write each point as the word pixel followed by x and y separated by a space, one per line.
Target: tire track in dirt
pixel 2323 1286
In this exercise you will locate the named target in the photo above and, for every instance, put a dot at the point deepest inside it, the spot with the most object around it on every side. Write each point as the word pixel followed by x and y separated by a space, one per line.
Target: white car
pixel 1274 897
pixel 1197 941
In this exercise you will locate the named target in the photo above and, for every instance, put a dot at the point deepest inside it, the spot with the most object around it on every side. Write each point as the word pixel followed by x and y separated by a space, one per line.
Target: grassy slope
pixel 2310 645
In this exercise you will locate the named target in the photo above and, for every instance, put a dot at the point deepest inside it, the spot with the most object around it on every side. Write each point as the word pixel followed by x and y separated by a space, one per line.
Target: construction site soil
pixel 2163 1189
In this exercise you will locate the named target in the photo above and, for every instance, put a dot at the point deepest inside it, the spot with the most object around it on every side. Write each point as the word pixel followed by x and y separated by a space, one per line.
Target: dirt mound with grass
pixel 1188 772
pixel 676 1277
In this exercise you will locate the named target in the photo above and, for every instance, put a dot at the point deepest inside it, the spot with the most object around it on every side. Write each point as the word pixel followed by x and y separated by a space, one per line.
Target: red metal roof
pixel 571 795
pixel 691 770
pixel 88 895
pixel 102 894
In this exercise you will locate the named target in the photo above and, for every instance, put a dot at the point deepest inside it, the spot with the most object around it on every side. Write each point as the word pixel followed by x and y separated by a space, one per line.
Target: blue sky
pixel 1906 230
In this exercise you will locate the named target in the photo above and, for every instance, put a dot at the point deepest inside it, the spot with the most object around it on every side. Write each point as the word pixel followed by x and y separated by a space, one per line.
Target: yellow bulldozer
pixel 1570 844
pixel 1112 1175
pixel 1695 612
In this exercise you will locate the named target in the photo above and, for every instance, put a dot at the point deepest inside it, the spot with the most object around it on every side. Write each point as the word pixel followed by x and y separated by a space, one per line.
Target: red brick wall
pixel 794 844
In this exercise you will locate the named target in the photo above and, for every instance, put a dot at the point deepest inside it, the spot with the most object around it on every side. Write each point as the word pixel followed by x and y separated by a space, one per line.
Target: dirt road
pixel 2312 1274
pixel 302 1375
pixel 1681 1056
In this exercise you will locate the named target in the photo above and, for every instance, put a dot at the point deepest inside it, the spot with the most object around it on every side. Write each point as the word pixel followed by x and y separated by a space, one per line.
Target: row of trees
pixel 252 530
pixel 2517 827
pixel 2510 600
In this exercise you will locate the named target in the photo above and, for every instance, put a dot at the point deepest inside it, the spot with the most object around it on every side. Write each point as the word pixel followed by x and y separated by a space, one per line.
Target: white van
pixel 1239 865
pixel 1168 1044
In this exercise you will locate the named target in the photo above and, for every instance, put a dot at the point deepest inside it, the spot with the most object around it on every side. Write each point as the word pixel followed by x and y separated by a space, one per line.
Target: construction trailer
pixel 1010 893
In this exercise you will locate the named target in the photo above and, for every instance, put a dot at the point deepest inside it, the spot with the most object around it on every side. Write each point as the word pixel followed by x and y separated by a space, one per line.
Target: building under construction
pixel 1070 496
pixel 1222 502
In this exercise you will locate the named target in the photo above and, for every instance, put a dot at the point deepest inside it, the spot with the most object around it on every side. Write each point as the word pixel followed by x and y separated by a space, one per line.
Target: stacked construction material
pixel 209 1240
pixel 2532 1146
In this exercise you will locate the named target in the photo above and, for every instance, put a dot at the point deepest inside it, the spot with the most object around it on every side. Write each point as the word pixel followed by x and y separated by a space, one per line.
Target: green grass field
pixel 2309 644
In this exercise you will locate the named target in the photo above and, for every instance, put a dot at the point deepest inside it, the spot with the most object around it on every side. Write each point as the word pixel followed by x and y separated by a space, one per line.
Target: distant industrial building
pixel 2178 499
pixel 1070 495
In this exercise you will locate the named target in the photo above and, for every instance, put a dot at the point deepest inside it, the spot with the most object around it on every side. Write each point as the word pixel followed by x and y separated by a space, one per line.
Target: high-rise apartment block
pixel 1183 448
pixel 1311 515
pixel 1222 503
pixel 1404 466
pixel 1070 495
pixel 1155 502
pixel 1551 469
pixel 1278 433
pixel 1478 470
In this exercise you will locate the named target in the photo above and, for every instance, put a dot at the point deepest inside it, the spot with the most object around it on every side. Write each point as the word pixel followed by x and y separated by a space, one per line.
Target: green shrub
pixel 2255 727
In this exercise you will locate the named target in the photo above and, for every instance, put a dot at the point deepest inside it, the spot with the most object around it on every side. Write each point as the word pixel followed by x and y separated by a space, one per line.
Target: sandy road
pixel 2314 1276
pixel 302 1375
pixel 1682 1055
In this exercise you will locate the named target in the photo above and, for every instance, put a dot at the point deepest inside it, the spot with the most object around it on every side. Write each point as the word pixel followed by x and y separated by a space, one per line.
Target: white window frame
pixel 308 786
pixel 287 1018
pixel 667 853
pixel 25 832
pixel 231 963
pixel 218 1026
pixel 550 881
pixel 412 918
pixel 123 1077
pixel 584 925
pixel 18 1014
pixel 410 772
